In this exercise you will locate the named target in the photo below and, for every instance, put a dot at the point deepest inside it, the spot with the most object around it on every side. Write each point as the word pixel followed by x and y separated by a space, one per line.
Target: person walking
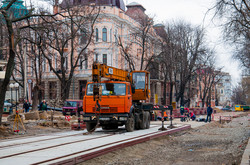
pixel 182 113
pixel 43 106
pixel 209 113
pixel 26 106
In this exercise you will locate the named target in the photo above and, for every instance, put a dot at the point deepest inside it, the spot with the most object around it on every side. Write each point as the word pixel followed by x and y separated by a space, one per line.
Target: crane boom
pixel 140 80
pixel 102 70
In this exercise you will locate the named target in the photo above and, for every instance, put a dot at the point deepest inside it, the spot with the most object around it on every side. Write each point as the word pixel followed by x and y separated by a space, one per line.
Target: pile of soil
pixel 35 123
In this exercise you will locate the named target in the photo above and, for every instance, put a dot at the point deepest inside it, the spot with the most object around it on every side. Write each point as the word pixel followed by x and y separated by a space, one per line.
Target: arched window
pixel 104 34
pixel 96 35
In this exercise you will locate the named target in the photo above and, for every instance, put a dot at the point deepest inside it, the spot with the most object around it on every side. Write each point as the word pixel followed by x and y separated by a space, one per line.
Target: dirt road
pixel 213 143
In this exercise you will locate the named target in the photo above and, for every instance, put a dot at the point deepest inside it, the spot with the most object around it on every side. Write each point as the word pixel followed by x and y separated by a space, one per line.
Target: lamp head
pixel 11 85
pixel 16 85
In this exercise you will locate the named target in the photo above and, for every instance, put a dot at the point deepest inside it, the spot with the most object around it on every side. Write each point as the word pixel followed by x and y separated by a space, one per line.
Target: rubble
pixel 12 117
pixel 32 115
pixel 43 115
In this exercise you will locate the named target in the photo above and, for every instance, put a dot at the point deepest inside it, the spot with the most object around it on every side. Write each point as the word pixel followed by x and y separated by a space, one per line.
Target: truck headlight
pixel 123 118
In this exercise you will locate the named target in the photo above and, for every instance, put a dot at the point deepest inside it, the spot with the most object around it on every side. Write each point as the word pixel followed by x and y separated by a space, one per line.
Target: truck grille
pixel 110 110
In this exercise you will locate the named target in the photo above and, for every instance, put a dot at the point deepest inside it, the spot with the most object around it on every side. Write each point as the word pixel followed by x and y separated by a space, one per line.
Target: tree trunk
pixel 9 68
pixel 164 92
pixel 6 81
pixel 35 98
pixel 171 93
pixel 65 88
pixel 203 102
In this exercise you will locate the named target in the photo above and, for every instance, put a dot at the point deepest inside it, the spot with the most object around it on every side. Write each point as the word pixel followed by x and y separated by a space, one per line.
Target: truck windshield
pixel 139 80
pixel 70 104
pixel 109 89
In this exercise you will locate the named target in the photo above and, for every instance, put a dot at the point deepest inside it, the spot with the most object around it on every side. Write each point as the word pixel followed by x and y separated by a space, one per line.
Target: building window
pixel 55 56
pixel 96 58
pixel 80 62
pixel 104 59
pixel 96 35
pixel 65 63
pixel 52 90
pixel 104 34
pixel 83 62
pixel 44 65
pixel 86 61
pixel 110 35
pixel 82 37
pixel 82 85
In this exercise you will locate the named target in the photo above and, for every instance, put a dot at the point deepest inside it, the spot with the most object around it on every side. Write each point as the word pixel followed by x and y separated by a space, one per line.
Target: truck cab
pixel 115 104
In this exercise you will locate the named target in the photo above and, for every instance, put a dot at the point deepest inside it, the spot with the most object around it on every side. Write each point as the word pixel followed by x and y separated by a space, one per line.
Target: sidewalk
pixel 246 156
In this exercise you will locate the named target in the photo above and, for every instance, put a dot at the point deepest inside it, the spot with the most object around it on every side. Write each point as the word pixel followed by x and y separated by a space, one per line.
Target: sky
pixel 194 11
pixel 191 11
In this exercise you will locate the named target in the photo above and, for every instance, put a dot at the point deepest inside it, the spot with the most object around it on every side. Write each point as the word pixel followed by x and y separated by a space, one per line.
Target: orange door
pixel 129 96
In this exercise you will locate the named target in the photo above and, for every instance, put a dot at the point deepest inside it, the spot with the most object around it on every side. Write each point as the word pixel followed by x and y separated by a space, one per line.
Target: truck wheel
pixel 137 121
pixel 130 124
pixel 148 120
pixel 90 126
pixel 143 120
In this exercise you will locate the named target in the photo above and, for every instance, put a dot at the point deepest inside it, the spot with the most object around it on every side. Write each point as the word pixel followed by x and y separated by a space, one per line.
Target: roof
pixel 17 9
pixel 135 4
pixel 118 3
pixel 158 25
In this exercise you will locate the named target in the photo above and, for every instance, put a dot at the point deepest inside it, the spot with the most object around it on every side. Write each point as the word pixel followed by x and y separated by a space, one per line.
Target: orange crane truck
pixel 119 99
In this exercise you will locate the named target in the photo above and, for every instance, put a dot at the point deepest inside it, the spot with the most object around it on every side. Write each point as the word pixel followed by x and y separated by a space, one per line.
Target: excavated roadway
pixel 74 146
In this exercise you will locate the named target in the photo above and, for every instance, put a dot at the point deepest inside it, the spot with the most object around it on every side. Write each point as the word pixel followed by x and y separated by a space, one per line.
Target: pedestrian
pixel 192 116
pixel 43 106
pixel 209 113
pixel 187 116
pixel 26 106
pixel 182 113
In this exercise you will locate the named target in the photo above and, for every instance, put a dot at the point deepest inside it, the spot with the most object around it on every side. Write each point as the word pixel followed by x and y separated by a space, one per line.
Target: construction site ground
pixel 205 143
pixel 218 142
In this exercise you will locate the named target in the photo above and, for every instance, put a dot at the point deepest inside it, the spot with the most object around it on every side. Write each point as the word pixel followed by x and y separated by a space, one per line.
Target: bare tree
pixel 65 39
pixel 167 60
pixel 141 37
pixel 238 96
pixel 9 24
pixel 208 76
pixel 236 26
pixel 189 47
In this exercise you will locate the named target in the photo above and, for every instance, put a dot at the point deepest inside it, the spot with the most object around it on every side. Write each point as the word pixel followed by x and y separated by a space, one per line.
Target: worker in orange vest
pixel 165 115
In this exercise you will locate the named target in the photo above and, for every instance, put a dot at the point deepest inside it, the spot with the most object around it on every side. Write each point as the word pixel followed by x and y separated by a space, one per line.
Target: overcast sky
pixel 192 11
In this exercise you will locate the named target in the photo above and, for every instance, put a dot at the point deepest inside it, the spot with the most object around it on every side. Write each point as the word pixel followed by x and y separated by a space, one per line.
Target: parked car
pixel 226 109
pixel 7 107
pixel 71 106
pixel 7 104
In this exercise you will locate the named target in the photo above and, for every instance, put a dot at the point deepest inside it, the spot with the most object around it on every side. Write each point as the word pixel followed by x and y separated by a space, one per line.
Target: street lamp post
pixel 16 86
pixel 11 86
